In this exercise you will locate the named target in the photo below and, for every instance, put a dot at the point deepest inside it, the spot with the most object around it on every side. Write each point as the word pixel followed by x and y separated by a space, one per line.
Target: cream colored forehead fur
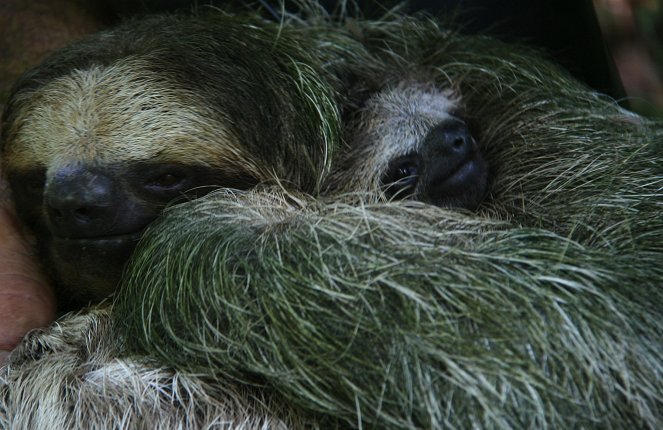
pixel 394 122
pixel 122 113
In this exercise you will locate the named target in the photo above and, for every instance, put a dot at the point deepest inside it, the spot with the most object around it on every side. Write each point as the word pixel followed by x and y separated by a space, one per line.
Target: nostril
pixel 80 202
pixel 459 142
pixel 74 215
pixel 450 140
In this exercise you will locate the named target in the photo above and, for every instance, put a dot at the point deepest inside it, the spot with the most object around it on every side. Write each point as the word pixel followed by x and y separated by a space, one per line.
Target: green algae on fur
pixel 542 310
pixel 400 315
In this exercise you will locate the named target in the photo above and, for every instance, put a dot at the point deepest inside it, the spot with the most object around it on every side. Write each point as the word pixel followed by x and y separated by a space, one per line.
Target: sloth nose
pixel 446 148
pixel 80 203
pixel 450 142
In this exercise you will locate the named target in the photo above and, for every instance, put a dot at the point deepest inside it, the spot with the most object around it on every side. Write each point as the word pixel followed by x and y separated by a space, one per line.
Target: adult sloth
pixel 105 133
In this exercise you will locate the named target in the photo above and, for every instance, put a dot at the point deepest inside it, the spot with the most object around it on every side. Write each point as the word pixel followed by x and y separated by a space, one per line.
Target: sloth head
pixel 407 142
pixel 106 133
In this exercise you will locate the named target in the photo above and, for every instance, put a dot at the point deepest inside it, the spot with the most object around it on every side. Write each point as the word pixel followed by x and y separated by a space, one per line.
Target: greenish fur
pixel 253 99
pixel 401 315
pixel 541 310
pixel 583 164
pixel 70 376
pixel 264 83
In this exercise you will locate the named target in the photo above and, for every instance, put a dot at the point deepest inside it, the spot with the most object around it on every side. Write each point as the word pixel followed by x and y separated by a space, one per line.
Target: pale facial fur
pixel 393 123
pixel 121 112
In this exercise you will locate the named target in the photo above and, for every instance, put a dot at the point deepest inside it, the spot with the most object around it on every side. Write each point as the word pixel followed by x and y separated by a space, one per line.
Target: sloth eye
pixel 167 180
pixel 402 176
pixel 405 172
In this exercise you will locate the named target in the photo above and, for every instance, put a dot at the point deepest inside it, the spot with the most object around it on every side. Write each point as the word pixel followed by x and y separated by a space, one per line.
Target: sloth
pixel 351 296
pixel 105 134
pixel 409 142
pixel 540 309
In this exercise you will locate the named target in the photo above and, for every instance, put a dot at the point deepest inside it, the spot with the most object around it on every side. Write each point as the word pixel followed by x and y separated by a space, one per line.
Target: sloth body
pixel 352 308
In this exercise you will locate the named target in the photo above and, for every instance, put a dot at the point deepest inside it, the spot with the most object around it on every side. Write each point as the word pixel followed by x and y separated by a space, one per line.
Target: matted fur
pixel 236 99
pixel 397 317
pixel 237 93
pixel 562 157
pixel 543 310
pixel 401 315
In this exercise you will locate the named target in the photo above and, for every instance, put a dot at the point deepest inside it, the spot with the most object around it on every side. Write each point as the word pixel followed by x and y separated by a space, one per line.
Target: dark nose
pixel 454 173
pixel 450 144
pixel 80 203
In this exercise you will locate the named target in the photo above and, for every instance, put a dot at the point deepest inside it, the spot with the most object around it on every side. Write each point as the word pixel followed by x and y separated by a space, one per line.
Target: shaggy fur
pixel 562 157
pixel 390 316
pixel 70 376
pixel 197 90
pixel 401 316
pixel 542 310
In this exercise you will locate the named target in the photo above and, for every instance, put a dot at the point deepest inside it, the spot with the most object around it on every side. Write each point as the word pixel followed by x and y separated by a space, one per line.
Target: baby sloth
pixel 407 142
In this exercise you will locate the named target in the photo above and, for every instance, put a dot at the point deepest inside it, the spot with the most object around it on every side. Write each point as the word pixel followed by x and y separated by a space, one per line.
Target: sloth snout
pixel 80 202
pixel 450 143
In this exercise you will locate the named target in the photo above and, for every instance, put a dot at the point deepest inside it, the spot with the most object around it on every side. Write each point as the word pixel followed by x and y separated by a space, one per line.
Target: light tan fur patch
pixel 122 113
pixel 394 122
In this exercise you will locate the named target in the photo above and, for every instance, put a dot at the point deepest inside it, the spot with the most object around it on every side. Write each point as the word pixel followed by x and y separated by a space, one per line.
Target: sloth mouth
pixel 88 269
pixel 463 173
pixel 113 250
pixel 466 172
pixel 464 187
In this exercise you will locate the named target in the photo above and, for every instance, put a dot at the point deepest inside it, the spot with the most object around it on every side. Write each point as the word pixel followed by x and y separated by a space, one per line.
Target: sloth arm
pixel 26 298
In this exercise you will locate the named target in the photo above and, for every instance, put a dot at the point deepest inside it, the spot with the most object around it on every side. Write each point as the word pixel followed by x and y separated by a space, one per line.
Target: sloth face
pixel 408 143
pixel 105 134
pixel 99 154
